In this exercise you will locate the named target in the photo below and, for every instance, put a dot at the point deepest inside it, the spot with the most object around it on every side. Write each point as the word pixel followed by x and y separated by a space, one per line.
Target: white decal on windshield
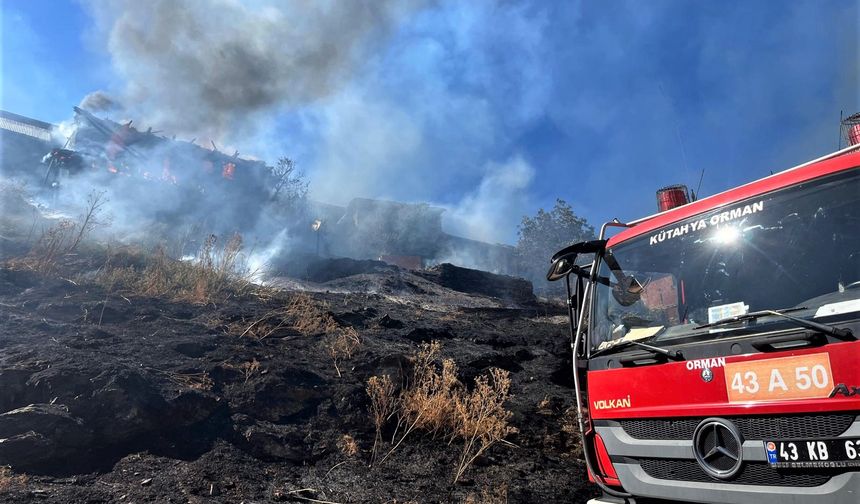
pixel 713 362
pixel 714 220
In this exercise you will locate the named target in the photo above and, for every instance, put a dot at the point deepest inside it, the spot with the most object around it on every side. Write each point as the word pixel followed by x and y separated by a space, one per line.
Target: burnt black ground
pixel 105 398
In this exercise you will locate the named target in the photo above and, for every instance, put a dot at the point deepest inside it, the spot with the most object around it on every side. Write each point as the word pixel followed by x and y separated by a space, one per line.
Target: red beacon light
pixel 672 196
pixel 851 129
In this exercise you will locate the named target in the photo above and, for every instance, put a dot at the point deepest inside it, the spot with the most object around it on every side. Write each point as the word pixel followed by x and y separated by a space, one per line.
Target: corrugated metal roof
pixel 25 126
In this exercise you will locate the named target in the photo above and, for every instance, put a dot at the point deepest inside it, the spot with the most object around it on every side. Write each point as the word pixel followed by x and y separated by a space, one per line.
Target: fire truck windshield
pixel 796 247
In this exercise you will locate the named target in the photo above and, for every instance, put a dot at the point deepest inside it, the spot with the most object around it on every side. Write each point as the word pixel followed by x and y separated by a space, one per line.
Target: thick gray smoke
pixel 99 101
pixel 222 69
pixel 209 66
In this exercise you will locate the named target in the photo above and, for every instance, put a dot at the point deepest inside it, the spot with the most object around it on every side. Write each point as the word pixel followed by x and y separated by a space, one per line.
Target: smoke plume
pixel 486 213
pixel 99 101
pixel 223 69
pixel 195 66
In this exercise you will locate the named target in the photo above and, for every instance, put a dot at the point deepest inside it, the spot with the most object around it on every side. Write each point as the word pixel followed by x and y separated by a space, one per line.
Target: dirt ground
pixel 114 397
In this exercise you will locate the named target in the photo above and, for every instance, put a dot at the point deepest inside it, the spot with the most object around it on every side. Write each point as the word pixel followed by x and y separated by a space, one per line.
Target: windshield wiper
pixel 809 324
pixel 672 354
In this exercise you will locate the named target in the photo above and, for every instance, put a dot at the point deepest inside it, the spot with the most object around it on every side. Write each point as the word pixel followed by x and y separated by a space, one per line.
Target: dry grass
pixel 62 238
pixel 496 495
pixel 215 274
pixel 347 445
pixel 263 327
pixel 429 404
pixel 250 368
pixel 544 406
pixel 481 417
pixel 196 381
pixel 435 402
pixel 570 428
pixel 311 317
pixel 10 481
pixel 302 314
pixel 382 406
pixel 341 346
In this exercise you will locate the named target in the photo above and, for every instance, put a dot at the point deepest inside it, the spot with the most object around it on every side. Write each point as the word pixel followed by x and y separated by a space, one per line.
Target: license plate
pixel 785 378
pixel 813 453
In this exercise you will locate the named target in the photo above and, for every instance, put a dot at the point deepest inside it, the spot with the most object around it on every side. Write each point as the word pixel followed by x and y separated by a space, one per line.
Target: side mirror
pixel 563 261
pixel 586 247
pixel 560 268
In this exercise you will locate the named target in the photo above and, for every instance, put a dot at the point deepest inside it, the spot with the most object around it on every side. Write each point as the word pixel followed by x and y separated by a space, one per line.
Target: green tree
pixel 542 235
pixel 289 186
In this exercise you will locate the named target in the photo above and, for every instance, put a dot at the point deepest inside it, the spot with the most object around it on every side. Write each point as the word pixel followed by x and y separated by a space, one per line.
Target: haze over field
pixel 491 109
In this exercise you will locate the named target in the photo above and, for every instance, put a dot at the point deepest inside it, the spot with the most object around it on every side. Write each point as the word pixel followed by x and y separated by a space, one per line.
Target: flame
pixel 229 170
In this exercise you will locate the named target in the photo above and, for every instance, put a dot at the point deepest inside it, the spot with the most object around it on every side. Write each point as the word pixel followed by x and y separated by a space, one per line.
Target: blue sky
pixel 494 109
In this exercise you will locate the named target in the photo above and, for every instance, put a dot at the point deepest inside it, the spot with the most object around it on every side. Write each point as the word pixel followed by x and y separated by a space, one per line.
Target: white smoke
pixel 380 107
pixel 501 198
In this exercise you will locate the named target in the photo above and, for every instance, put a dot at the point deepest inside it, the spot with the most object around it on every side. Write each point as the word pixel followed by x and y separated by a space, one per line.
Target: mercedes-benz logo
pixel 707 374
pixel 718 447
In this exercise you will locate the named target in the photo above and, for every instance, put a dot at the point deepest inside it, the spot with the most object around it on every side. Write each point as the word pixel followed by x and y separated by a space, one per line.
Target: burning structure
pixel 229 193
pixel 162 179
pixel 101 145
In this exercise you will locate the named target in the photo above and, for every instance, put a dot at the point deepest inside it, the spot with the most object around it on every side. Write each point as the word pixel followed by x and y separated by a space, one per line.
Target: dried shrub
pixel 481 417
pixel 382 406
pixel 216 270
pixel 341 346
pixel 429 404
pixel 435 402
pixel 424 402
pixel 53 244
pixel 347 445
pixel 10 481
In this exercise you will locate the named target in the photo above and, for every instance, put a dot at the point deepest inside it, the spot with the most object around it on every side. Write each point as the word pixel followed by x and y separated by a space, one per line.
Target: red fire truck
pixel 715 345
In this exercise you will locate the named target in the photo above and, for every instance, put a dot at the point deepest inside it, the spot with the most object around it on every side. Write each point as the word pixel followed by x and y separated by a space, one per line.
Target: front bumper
pixel 629 454
pixel 841 489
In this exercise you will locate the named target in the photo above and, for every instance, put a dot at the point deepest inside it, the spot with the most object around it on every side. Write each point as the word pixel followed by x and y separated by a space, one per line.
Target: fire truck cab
pixel 715 345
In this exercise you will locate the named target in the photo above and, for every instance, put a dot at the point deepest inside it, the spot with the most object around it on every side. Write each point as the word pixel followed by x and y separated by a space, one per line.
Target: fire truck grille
pixel 750 474
pixel 779 427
